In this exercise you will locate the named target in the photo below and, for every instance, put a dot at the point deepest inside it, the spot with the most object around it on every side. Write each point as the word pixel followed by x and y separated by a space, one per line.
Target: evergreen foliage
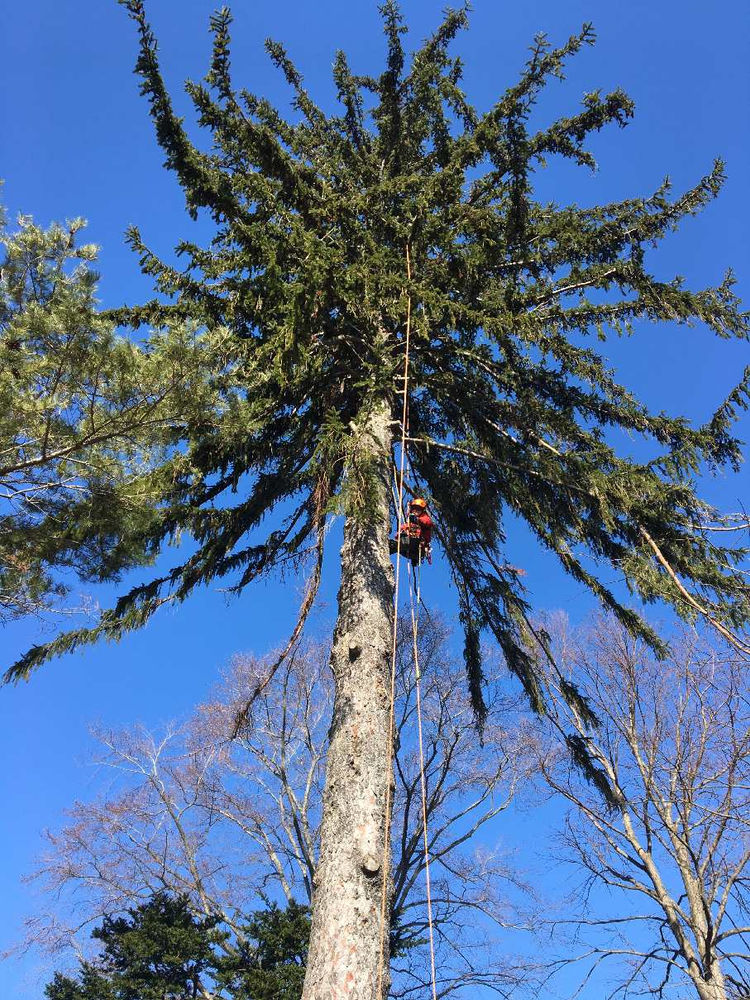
pixel 513 409
pixel 270 962
pixel 161 949
pixel 84 417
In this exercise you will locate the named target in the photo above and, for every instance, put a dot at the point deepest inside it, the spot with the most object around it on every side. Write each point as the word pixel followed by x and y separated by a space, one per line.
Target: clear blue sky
pixel 77 140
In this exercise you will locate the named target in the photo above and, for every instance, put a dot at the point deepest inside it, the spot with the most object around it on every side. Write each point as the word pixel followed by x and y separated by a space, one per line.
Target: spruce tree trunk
pixel 345 948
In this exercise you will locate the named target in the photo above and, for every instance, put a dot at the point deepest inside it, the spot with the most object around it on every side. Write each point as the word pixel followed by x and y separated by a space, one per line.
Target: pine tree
pixel 331 230
pixel 160 949
pixel 84 416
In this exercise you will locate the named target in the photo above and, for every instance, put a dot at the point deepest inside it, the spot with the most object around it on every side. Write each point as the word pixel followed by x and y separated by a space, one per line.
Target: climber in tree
pixel 416 534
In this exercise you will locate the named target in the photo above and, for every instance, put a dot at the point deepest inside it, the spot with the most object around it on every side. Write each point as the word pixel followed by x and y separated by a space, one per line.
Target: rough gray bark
pixel 345 941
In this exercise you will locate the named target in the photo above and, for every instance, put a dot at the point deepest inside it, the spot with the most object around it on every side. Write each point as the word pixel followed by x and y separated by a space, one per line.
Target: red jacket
pixel 418 526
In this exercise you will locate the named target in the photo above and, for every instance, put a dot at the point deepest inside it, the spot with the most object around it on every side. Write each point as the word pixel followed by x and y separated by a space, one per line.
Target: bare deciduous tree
pixel 224 820
pixel 663 822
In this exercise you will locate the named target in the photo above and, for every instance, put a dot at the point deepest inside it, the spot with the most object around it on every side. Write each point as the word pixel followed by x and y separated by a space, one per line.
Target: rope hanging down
pixel 417 588
pixel 389 772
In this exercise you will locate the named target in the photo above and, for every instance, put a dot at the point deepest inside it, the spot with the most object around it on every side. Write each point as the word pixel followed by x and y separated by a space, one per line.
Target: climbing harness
pixel 417 530
pixel 399 498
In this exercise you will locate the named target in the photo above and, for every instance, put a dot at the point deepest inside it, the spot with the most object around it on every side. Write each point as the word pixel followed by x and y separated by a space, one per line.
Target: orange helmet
pixel 419 502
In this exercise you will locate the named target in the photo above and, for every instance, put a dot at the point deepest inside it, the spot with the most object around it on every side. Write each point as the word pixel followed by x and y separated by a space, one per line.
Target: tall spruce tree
pixel 329 229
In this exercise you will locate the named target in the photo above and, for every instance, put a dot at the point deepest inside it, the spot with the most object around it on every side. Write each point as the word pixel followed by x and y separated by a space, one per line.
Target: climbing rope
pixel 391 721
pixel 417 588
pixel 399 498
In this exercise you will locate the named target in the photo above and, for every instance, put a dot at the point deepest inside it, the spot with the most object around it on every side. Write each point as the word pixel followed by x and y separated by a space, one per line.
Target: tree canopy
pixel 327 230
pixel 662 824
pixel 162 949
pixel 159 949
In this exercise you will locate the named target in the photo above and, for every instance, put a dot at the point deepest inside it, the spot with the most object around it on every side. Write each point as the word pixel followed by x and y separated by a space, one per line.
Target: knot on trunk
pixel 370 865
